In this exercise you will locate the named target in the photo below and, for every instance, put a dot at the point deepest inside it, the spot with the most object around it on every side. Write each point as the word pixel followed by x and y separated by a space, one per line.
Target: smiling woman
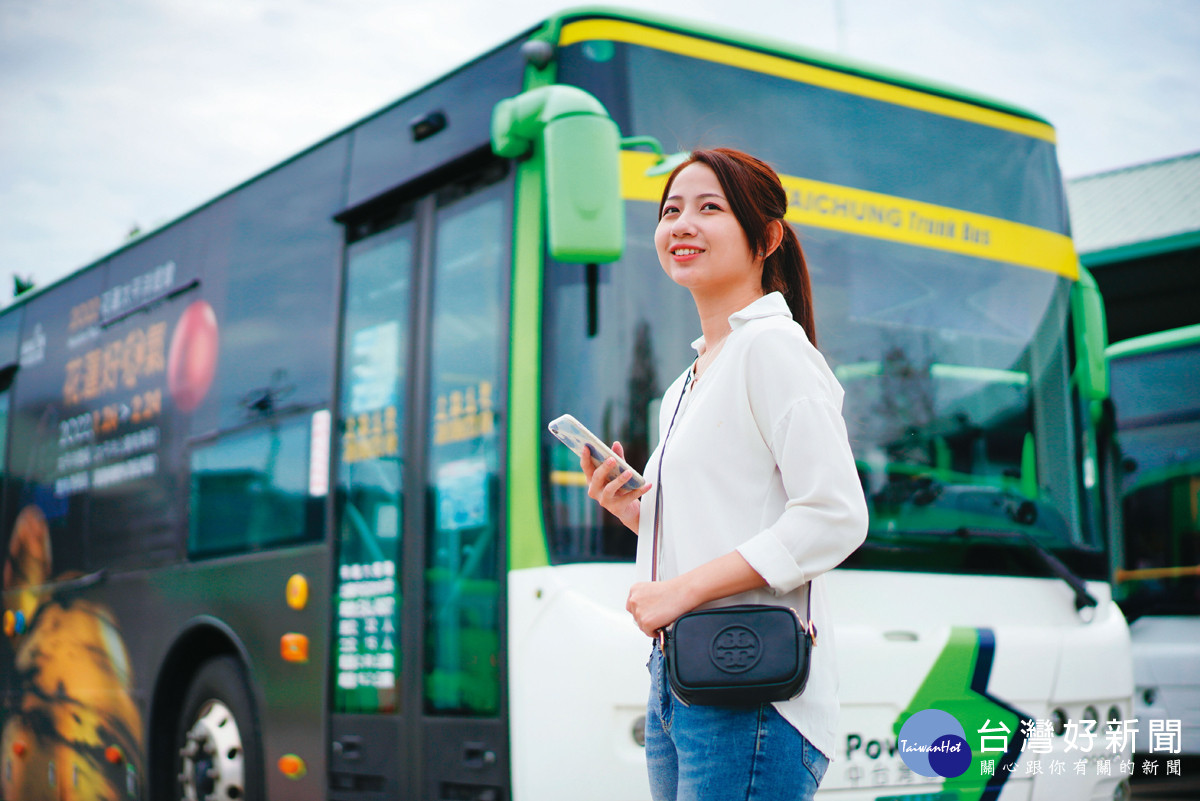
pixel 702 247
pixel 782 506
pixel 756 205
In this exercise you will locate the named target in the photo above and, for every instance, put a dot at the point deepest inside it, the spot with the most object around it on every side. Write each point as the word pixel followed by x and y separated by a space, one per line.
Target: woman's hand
pixel 656 604
pixel 624 504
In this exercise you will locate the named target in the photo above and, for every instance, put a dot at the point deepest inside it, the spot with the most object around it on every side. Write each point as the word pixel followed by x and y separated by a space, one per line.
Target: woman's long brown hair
pixel 756 198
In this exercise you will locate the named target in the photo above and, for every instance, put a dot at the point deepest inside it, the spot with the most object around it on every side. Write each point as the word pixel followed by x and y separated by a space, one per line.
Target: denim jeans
pixel 713 753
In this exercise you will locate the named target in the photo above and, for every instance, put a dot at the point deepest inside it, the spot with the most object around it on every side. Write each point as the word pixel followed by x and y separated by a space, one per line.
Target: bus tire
pixel 218 747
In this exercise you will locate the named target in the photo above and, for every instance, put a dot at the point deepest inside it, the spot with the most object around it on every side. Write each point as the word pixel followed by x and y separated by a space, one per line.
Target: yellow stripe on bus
pixel 633 33
pixel 568 478
pixel 895 219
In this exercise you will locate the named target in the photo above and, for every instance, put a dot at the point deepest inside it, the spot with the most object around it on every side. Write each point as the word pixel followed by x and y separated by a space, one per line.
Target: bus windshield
pixel 956 365
pixel 1157 396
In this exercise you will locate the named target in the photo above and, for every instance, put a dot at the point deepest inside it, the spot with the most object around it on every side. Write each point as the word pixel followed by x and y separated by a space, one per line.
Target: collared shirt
pixel 759 461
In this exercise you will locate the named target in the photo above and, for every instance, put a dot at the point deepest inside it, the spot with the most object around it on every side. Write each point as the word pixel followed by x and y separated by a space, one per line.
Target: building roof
pixel 1151 207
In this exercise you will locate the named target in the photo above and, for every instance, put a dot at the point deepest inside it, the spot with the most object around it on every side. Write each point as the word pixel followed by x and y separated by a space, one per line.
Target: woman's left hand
pixel 656 604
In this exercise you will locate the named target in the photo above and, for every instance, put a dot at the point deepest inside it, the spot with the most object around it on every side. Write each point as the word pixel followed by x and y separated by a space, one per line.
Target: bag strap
pixel 658 485
pixel 808 625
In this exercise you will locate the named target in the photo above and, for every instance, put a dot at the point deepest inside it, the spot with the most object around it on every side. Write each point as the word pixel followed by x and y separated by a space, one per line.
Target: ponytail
pixel 786 271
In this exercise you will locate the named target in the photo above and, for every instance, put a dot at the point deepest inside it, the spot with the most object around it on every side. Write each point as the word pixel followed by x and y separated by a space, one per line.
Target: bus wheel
pixel 218 752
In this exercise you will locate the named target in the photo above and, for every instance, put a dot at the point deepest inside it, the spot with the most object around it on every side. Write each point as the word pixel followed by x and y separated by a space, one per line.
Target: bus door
pixel 418 668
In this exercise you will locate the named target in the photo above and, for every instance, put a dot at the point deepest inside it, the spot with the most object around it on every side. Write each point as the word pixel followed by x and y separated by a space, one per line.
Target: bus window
pixel 1158 417
pixel 466 397
pixel 276 330
pixel 10 331
pixel 250 491
pixel 613 381
pixel 4 404
pixel 1157 389
pixel 10 328
pixel 370 443
pixel 139 414
pixel 58 392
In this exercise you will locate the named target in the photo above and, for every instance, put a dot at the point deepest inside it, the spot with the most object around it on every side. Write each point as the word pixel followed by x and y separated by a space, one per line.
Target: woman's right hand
pixel 624 504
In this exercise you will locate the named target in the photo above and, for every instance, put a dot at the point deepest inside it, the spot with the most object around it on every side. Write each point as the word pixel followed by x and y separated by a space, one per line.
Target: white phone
pixel 576 436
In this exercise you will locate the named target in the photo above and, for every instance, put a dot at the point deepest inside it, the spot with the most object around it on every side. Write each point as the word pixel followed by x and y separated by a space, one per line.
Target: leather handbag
pixel 738 655
pixel 742 655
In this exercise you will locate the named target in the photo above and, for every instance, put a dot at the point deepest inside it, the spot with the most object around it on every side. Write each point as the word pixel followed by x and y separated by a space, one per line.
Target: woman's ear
pixel 774 236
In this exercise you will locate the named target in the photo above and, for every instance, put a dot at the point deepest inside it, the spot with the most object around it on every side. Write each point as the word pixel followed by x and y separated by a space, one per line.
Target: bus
pixel 282 518
pixel 1157 398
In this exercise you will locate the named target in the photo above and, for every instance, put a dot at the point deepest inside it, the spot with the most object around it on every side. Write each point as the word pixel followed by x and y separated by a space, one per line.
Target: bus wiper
pixel 1083 598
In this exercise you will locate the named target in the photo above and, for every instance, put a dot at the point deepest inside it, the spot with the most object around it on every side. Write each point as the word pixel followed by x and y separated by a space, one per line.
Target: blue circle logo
pixel 933 743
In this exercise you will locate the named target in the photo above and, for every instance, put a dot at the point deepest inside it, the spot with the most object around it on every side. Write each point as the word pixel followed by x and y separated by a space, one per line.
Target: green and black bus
pixel 1156 390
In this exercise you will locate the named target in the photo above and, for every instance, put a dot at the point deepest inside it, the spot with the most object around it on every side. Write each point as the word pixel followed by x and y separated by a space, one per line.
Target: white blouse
pixel 759 461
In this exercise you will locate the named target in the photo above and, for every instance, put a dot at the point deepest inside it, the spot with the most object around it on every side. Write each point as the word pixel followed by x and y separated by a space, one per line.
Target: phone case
pixel 576 436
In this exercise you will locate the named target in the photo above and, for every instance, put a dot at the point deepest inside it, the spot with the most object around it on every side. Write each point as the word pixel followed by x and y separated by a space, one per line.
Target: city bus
pixel 282 518
pixel 1156 390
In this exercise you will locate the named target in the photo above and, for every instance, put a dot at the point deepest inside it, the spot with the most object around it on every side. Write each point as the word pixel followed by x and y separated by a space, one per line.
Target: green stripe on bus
pixel 948 687
pixel 526 529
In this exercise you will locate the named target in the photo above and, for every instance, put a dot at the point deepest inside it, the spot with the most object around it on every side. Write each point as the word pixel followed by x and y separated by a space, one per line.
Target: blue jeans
pixel 713 753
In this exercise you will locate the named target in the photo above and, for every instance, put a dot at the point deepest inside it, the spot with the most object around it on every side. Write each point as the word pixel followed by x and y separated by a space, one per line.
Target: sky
pixel 124 114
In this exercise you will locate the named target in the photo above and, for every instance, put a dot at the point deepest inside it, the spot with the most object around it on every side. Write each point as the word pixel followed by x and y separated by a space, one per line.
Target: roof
pixel 1152 207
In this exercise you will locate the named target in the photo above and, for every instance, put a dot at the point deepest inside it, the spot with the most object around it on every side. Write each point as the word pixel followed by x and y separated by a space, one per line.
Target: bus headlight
pixel 1059 719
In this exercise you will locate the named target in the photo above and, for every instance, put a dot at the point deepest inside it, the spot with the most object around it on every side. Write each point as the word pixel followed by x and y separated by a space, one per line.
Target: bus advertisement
pixel 282 519
pixel 1156 391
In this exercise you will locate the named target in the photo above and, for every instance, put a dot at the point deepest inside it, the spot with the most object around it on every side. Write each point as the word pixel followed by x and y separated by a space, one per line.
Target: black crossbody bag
pixel 736 655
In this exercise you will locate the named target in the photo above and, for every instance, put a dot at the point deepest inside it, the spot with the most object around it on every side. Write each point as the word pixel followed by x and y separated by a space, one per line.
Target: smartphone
pixel 576 436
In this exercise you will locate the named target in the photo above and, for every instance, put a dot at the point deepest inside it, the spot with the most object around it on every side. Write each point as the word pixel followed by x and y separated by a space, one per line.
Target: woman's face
pixel 700 243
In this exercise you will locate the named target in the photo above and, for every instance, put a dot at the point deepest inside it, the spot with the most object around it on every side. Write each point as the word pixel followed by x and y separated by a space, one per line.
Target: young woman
pixel 759 494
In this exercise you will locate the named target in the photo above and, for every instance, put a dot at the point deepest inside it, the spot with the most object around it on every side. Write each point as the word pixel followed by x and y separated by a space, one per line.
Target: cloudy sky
pixel 124 113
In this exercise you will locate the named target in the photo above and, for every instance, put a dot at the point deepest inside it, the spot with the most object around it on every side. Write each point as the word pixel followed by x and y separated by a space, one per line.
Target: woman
pixel 759 491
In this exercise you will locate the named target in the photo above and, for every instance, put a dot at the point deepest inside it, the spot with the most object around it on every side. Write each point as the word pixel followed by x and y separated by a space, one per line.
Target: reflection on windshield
pixel 960 415
pixel 1158 411
pixel 944 439
pixel 959 403
pixel 955 373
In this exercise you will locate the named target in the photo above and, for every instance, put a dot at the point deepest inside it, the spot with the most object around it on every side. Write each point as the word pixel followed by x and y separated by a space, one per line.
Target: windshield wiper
pixel 927 493
pixel 1083 598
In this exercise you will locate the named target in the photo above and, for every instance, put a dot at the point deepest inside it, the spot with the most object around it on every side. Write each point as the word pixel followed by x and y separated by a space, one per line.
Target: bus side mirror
pixel 578 148
pixel 1091 337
